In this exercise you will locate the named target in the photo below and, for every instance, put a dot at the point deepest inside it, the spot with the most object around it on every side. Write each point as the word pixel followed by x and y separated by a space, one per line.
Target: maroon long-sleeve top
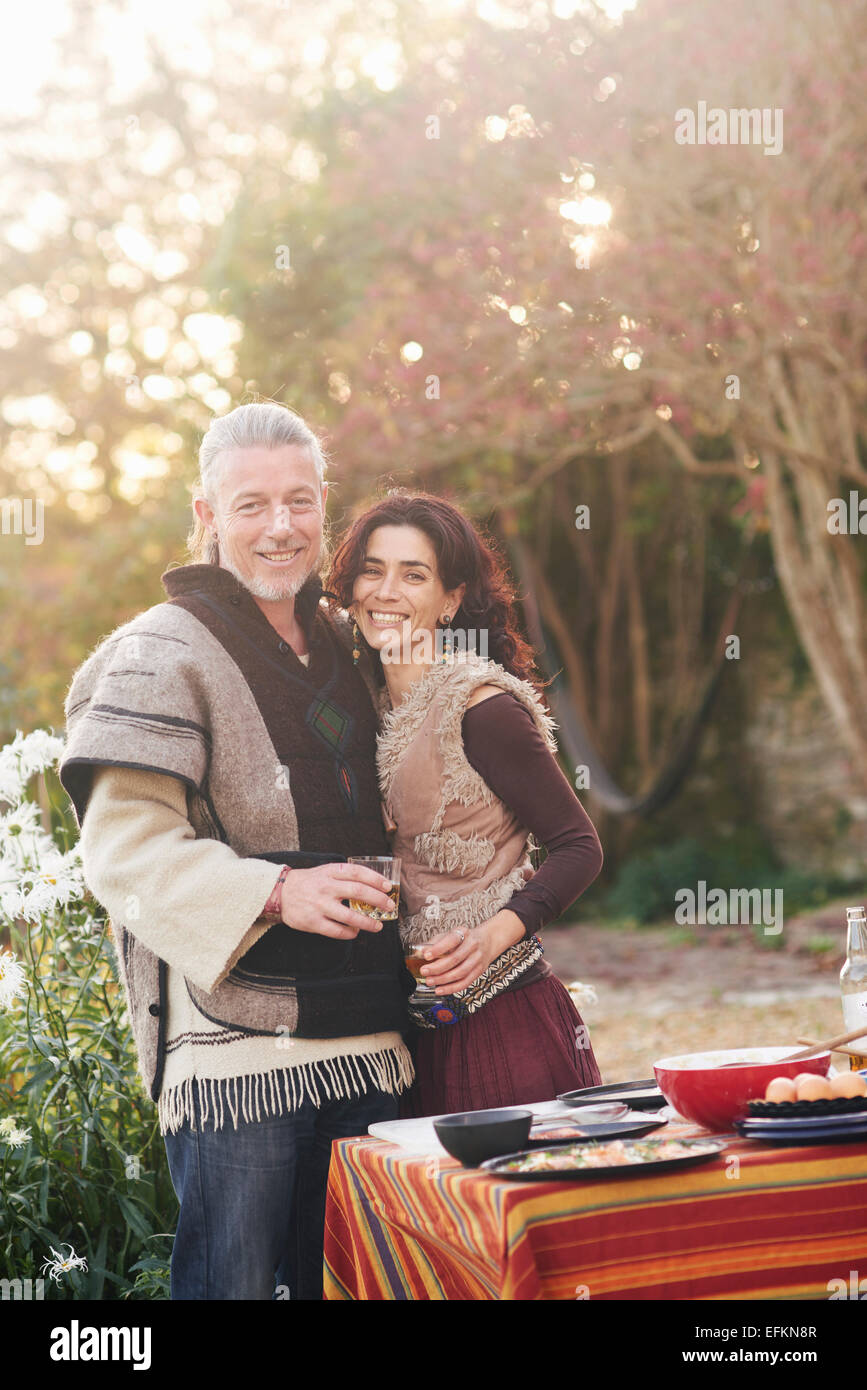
pixel 504 746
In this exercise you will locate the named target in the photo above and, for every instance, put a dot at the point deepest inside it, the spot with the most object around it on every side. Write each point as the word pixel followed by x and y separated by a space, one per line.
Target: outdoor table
pixel 778 1223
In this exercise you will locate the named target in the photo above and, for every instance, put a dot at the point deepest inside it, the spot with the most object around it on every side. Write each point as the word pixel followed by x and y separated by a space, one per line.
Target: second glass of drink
pixel 389 866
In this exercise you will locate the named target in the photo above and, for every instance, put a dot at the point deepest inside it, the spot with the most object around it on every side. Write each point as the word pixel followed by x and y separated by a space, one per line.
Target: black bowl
pixel 480 1134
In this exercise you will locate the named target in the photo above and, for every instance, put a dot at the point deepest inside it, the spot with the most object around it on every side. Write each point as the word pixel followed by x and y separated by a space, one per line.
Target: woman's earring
pixel 356 643
pixel 448 640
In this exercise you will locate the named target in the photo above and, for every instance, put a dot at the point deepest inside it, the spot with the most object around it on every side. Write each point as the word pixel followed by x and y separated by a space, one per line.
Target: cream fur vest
pixel 462 849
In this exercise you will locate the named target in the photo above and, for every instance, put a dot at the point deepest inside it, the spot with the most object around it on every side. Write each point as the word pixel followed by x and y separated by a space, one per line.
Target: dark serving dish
pixel 639 1095
pixel 795 1109
pixel 479 1134
pixel 827 1129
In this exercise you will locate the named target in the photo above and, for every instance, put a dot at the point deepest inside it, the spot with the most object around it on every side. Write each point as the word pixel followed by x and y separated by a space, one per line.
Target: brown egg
pixel 812 1087
pixel 782 1088
pixel 848 1083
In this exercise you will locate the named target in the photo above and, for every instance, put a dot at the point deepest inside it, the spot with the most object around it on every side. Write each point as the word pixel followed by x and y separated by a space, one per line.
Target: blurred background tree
pixel 464 242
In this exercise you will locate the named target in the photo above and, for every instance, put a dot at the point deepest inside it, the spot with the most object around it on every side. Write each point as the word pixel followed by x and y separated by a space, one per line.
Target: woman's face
pixel 398 592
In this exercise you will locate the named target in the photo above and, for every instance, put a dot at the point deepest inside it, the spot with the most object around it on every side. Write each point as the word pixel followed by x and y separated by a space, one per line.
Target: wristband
pixel 274 906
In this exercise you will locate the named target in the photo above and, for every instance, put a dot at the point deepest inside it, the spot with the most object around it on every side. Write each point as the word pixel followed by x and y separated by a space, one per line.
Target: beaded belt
pixel 446 1009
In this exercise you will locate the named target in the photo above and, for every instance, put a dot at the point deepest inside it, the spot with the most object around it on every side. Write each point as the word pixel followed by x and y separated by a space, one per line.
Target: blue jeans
pixel 252 1218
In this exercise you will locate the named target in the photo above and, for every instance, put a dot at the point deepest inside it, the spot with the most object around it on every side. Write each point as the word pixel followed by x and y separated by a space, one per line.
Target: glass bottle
pixel 853 983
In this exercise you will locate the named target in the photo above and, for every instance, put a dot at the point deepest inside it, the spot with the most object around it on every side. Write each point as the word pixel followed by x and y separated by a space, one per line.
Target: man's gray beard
pixel 260 588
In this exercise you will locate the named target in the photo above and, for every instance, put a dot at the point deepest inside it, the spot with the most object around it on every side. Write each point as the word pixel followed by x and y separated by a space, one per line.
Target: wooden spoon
pixel 846 1051
pixel 828 1046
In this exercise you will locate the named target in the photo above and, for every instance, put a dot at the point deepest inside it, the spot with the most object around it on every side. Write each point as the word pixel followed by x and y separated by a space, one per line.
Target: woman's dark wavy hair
pixel 464 556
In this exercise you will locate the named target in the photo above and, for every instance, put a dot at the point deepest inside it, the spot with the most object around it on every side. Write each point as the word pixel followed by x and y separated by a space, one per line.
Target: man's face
pixel 269 516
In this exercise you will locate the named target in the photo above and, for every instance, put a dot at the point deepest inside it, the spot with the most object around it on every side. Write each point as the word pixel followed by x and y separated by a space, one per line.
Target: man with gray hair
pixel 213 739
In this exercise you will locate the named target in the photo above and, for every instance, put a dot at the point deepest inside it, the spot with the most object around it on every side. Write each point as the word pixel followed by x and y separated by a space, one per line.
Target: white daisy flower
pixel 10 1133
pixel 62 1264
pixel 26 754
pixel 582 994
pixel 23 841
pixel 56 883
pixel 40 750
pixel 11 781
pixel 10 888
pixel 12 979
pixel 11 898
pixel 23 818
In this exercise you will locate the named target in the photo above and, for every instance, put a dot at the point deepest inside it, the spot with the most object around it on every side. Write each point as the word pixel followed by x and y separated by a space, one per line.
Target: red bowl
pixel 700 1090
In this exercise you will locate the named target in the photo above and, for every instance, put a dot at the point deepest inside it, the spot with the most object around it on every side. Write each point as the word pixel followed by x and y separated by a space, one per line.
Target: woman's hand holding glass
pixel 458 957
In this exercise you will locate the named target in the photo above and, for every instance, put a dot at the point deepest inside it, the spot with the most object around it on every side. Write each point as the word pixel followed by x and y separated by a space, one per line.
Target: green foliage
pixel 152 1281
pixel 803 891
pixel 93 1174
pixel 645 888
pixel 766 940
pixel 682 936
pixel 821 945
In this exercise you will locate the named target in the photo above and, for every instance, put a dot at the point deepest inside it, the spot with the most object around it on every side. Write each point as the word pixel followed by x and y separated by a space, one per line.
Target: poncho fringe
pixel 265 1095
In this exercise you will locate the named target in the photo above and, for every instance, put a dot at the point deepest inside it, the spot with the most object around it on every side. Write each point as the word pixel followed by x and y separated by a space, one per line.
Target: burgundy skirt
pixel 518 1048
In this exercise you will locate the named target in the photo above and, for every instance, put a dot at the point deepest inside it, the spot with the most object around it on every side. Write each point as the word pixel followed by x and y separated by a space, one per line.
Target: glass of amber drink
pixel 414 960
pixel 389 866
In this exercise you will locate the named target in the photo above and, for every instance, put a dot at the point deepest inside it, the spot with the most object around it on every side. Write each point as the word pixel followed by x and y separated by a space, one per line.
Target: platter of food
pixel 624 1157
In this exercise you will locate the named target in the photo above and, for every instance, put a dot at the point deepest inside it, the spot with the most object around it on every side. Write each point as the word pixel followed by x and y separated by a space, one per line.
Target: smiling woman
pixel 467 773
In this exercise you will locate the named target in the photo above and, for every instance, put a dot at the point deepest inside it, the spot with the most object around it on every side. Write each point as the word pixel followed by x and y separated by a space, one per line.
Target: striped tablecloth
pixel 758 1222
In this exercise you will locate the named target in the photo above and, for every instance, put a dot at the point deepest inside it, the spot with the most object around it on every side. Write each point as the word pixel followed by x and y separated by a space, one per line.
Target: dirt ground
pixel 663 990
